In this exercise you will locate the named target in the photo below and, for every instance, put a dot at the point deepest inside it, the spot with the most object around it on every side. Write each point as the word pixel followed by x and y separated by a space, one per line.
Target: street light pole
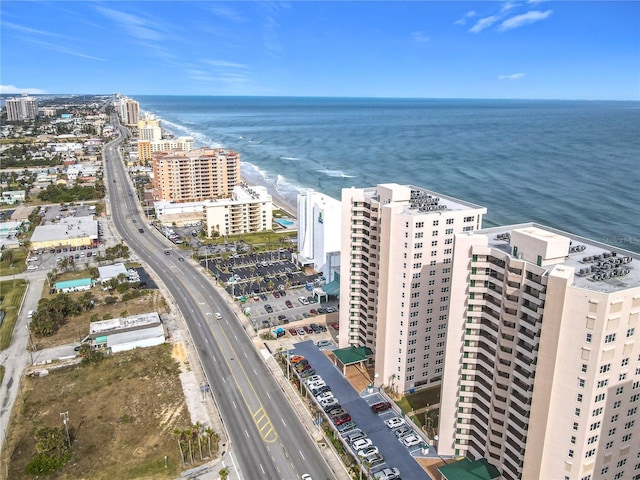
pixel 65 420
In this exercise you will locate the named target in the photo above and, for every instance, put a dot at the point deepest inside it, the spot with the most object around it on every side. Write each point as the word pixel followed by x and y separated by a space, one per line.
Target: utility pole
pixel 65 420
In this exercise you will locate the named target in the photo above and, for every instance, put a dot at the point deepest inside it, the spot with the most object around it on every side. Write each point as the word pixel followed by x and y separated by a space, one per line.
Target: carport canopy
pixel 352 355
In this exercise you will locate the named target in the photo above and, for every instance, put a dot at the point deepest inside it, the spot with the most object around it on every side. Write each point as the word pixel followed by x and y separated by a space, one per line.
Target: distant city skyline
pixel 528 49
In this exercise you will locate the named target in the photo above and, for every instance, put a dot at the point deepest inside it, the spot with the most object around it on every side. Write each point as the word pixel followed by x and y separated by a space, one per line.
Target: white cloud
pixel 11 89
pixel 484 23
pixel 513 76
pixel 225 64
pixel 136 26
pixel 227 13
pixel 524 19
pixel 420 37
pixel 507 6
pixel 463 20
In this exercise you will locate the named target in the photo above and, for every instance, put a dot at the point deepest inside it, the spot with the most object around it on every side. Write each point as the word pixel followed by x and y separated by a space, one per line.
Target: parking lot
pixel 396 448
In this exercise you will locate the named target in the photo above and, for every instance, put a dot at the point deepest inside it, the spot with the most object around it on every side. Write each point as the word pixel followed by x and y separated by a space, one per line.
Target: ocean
pixel 571 165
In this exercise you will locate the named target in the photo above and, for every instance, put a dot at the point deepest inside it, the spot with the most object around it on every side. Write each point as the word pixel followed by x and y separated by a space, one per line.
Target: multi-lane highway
pixel 266 437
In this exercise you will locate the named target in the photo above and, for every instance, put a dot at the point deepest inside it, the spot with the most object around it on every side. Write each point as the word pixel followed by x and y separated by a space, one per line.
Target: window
pixel 584 368
pixel 594 426
pixel 599 397
pixel 617 404
pixel 609 445
pixel 605 368
pixel 612 431
pixel 610 338
pixel 625 362
pixel 576 412
pixel 587 338
pixel 596 412
pixel 614 418
pixel 579 398
pixel 626 438
pixel 621 463
pixel 619 390
pixel 592 440
pixel 573 439
pixel 604 470
pixel 570 454
pixel 603 383
pixel 590 453
pixel 630 332
pixel 575 426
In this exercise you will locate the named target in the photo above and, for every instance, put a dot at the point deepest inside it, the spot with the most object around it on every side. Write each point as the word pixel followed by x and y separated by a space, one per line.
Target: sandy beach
pixel 277 199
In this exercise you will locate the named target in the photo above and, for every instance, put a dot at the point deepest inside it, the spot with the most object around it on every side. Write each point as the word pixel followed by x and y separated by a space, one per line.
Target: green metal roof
pixel 332 288
pixel 352 354
pixel 466 469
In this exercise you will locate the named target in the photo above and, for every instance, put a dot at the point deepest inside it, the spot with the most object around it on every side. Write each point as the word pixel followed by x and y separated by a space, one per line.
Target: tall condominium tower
pixel 203 174
pixel 149 128
pixel 21 108
pixel 396 263
pixel 542 372
pixel 129 111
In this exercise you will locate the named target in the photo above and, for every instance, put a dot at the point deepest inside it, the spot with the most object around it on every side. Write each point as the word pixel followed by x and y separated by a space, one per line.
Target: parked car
pixel 302 367
pixel 334 410
pixel 268 308
pixel 296 358
pixel 366 452
pixel 323 343
pixel 320 390
pixel 335 326
pixel 263 297
pixel 380 407
pixel 338 412
pixel 325 395
pixel 293 332
pixel 361 443
pixel 313 312
pixel 303 301
pixel 308 373
pixel 301 331
pixel 394 422
pixel 373 460
pixel 315 378
pixel 402 431
pixel 387 474
pixel 341 419
pixel 410 440
pixel 331 407
pixel 315 384
pixel 347 426
pixel 357 434
pixel 288 304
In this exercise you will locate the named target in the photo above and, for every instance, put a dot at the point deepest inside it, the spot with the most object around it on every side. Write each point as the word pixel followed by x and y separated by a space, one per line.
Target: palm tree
pixel 224 473
pixel 187 434
pixel 215 437
pixel 179 435
pixel 209 433
pixel 197 430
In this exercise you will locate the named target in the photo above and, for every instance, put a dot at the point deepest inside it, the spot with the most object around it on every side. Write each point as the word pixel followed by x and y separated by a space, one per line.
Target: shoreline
pixel 277 199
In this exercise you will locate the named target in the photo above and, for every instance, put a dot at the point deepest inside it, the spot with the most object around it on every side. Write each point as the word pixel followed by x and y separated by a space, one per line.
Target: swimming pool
pixel 283 222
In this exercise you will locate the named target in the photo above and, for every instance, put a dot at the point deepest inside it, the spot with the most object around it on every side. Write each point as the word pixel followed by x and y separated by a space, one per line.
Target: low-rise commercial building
pixel 121 334
pixel 68 232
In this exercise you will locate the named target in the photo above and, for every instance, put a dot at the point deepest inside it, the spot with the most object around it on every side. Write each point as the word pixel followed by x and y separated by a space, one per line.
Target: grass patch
pixel 122 413
pixel 418 401
pixel 13 261
pixel 12 292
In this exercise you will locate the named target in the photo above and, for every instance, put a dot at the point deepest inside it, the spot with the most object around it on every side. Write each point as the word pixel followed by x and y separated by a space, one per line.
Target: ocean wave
pixel 293 159
pixel 337 173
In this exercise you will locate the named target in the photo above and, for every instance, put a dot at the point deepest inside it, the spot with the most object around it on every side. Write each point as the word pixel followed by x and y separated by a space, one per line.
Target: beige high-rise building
pixel 146 148
pixel 203 174
pixel 149 128
pixel 129 111
pixel 542 372
pixel 21 108
pixel 396 262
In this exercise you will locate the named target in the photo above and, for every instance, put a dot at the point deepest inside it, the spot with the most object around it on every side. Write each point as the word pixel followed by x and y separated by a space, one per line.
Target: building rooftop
pixel 67 228
pixel 115 324
pixel 598 266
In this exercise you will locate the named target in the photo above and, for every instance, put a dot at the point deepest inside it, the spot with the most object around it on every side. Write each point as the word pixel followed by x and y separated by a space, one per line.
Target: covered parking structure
pixel 358 356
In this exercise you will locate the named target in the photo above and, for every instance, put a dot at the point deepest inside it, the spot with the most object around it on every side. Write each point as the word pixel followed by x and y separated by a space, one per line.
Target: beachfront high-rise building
pixel 542 372
pixel 203 174
pixel 396 261
pixel 22 108
pixel 149 128
pixel 129 111
pixel 319 223
pixel 249 210
pixel 146 148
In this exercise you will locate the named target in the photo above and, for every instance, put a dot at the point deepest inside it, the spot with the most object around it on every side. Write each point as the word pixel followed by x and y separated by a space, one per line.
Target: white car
pixel 394 422
pixel 410 440
pixel 324 396
pixel 32 267
pixel 218 315
pixel 312 379
pixel 303 301
pixel 365 452
pixel 30 313
pixel 361 444
pixel 387 474
pixel 316 384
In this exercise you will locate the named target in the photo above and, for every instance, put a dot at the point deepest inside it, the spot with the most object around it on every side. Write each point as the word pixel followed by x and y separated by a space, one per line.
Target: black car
pixel 332 408
pixel 268 308
pixel 318 391
pixel 141 230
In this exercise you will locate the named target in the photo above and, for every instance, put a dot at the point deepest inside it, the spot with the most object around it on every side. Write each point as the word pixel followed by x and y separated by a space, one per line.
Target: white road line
pixel 300 452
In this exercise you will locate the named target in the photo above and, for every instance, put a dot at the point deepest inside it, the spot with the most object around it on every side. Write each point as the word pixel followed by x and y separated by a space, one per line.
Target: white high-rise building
pixel 542 373
pixel 319 226
pixel 396 267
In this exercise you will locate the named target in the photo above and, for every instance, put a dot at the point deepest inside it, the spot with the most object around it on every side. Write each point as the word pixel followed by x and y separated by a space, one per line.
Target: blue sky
pixel 525 49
